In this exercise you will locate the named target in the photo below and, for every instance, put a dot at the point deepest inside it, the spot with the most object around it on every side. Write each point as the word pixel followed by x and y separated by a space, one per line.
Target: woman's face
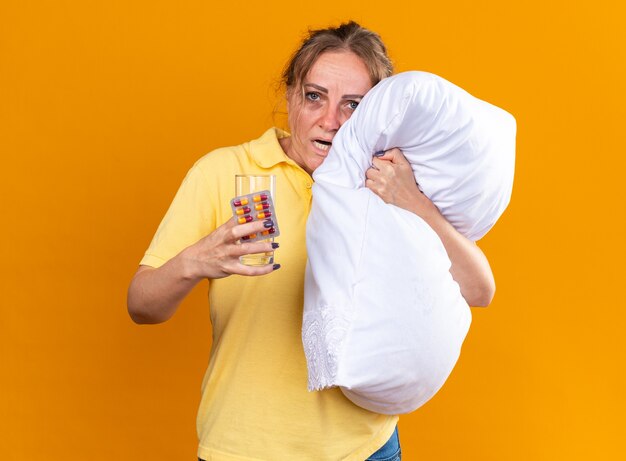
pixel 331 92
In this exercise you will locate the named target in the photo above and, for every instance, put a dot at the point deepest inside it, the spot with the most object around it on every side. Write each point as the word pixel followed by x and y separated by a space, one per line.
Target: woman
pixel 254 404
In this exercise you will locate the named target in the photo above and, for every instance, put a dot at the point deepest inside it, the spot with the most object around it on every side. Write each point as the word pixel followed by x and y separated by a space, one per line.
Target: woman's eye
pixel 353 105
pixel 312 96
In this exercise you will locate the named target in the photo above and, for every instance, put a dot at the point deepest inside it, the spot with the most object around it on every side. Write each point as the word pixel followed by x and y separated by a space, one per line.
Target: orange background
pixel 105 105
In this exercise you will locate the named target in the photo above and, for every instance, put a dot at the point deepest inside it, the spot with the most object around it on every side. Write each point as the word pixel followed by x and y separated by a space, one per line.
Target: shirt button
pixel 308 185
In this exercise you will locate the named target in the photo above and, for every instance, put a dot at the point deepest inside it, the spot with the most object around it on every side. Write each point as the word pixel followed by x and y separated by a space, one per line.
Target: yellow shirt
pixel 255 404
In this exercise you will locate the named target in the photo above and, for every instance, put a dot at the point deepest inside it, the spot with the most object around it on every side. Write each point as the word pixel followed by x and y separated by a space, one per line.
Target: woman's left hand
pixel 391 178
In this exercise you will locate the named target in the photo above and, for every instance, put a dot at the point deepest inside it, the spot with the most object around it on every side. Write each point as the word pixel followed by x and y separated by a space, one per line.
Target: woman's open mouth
pixel 322 145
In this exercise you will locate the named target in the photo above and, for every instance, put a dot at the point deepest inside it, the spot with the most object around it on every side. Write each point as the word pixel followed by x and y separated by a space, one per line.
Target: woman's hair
pixel 349 36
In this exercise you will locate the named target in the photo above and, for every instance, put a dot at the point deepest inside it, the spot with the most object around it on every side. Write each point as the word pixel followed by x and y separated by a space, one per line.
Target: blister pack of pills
pixel 257 206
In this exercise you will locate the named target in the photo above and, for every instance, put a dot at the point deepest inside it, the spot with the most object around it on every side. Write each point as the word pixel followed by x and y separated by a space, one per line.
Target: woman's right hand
pixel 217 255
pixel 155 293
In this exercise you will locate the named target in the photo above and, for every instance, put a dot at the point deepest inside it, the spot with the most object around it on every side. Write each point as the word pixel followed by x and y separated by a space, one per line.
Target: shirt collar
pixel 267 151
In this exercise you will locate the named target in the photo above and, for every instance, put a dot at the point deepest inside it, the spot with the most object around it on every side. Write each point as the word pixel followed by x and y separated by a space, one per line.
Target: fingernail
pixel 268 223
pixel 380 153
pixel 275 245
pixel 276 267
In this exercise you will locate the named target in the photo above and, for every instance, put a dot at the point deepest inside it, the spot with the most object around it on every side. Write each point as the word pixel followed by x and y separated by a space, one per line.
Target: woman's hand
pixel 155 293
pixel 391 178
pixel 217 255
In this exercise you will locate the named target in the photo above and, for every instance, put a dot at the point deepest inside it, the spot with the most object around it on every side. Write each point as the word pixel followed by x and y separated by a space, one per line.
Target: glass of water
pixel 247 184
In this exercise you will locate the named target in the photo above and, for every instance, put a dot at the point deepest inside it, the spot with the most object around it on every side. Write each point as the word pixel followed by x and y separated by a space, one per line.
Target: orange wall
pixel 103 108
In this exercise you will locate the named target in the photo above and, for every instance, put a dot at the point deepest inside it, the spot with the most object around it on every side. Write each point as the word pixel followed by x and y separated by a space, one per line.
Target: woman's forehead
pixel 340 69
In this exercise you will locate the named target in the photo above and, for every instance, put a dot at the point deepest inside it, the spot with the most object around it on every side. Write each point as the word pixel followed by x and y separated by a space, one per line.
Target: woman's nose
pixel 330 119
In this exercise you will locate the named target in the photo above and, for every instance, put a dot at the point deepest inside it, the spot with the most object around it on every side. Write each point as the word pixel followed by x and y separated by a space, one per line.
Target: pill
pixel 272 230
pixel 264 214
pixel 259 198
pixel 240 202
pixel 261 206
pixel 244 219
pixel 265 232
pixel 243 210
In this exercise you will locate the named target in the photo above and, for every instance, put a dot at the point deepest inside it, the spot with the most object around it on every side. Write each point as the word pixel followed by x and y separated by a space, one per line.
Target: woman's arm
pixel 392 179
pixel 154 294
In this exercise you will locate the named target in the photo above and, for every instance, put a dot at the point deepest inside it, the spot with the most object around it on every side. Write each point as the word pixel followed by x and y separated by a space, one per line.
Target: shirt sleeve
pixel 190 217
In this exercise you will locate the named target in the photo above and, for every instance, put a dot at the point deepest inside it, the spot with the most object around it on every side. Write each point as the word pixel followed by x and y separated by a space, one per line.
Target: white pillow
pixel 383 318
